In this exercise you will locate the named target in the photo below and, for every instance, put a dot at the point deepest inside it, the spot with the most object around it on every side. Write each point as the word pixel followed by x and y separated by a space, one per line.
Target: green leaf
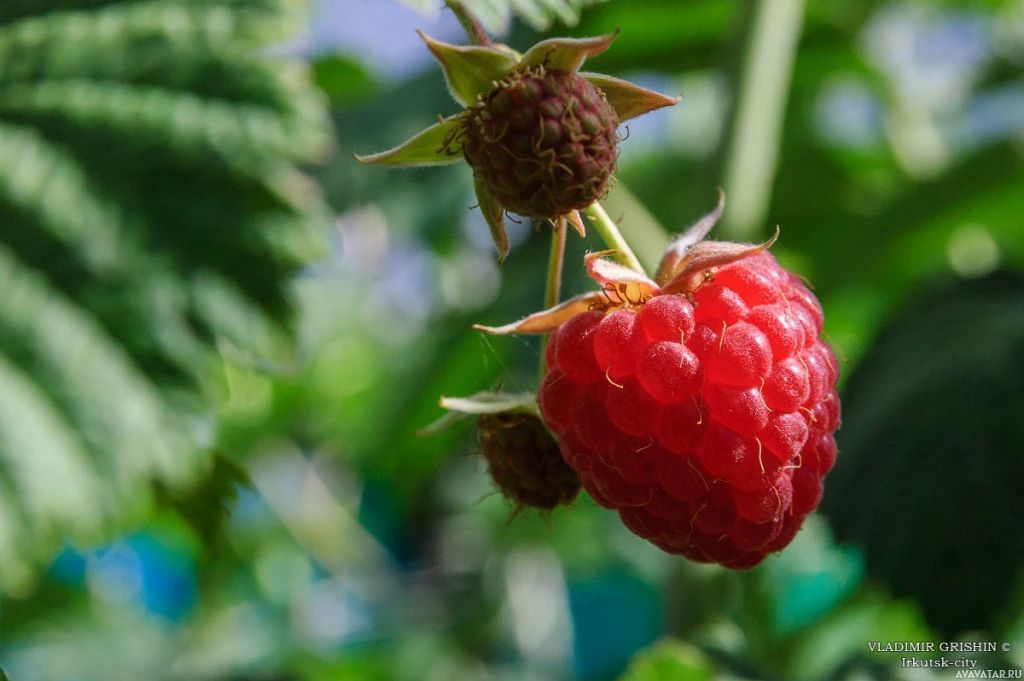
pixel 150 208
pixel 669 660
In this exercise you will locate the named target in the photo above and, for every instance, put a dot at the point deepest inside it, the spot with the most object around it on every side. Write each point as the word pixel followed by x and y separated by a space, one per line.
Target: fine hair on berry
pixel 543 142
pixel 705 418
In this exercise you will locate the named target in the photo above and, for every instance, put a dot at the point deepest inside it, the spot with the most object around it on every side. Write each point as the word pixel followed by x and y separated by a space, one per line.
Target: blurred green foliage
pixel 152 227
pixel 496 15
pixel 669 660
pixel 942 424
pixel 149 209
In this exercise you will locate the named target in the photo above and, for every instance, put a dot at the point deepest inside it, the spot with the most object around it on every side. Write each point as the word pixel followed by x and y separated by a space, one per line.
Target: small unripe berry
pixel 542 143
pixel 525 462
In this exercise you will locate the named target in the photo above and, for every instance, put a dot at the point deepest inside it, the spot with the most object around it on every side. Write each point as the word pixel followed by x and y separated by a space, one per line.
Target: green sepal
pixel 493 403
pixel 628 100
pixel 431 147
pixel 461 408
pixel 494 213
pixel 470 70
pixel 566 54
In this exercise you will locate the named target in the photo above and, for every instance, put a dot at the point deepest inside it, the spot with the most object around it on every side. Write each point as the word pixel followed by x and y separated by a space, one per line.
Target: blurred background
pixel 219 335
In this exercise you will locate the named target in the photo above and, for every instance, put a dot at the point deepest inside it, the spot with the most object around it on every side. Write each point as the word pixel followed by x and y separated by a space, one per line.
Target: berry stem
pixel 613 238
pixel 474 29
pixel 554 284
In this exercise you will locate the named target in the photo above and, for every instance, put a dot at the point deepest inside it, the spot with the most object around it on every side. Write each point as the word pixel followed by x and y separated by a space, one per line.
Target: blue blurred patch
pixel 614 614
pixel 69 566
pixel 380 513
pixel 805 590
pixel 166 573
pixel 168 576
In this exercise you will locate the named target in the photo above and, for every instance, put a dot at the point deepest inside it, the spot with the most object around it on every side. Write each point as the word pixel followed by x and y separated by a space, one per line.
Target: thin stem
pixel 474 29
pixel 609 231
pixel 555 258
pixel 554 284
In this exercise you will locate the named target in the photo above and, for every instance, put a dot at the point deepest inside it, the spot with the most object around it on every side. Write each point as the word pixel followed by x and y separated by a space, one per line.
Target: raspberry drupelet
pixel 543 143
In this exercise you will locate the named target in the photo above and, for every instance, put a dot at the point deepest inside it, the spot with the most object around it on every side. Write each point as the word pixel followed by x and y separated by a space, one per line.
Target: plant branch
pixel 554 283
pixel 609 231
pixel 474 29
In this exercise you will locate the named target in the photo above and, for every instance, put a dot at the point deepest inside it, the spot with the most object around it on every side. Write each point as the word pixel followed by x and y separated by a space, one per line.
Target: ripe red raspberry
pixel 543 143
pixel 525 462
pixel 699 405
pixel 706 421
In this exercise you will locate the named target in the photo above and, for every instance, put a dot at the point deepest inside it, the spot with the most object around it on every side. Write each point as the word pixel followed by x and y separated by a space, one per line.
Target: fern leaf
pixel 150 207
pixel 39 179
pixel 496 15
pixel 187 47
pixel 238 134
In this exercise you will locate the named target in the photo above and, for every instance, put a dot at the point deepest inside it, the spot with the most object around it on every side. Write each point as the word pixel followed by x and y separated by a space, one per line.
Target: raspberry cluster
pixel 706 420
pixel 543 143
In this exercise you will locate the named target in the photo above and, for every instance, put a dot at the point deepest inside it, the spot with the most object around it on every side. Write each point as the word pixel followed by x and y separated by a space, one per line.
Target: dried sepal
pixel 689 263
pixel 622 285
pixel 629 100
pixel 431 147
pixel 706 255
pixel 566 54
pixel 574 219
pixel 494 214
pixel 680 246
pixel 470 70
pixel 549 320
